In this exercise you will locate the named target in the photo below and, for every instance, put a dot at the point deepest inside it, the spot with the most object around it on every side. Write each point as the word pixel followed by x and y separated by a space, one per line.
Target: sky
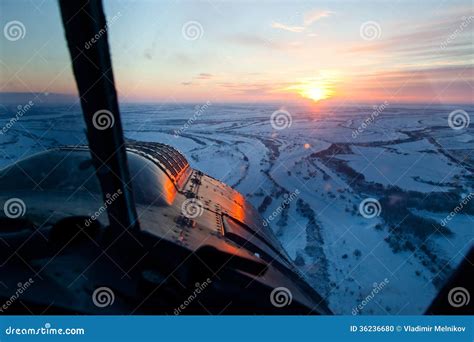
pixel 257 51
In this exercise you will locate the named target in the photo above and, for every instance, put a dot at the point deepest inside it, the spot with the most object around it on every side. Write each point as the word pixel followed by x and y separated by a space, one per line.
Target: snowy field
pixel 412 166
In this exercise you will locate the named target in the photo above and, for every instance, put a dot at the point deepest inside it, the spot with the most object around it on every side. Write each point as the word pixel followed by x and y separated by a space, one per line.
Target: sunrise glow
pixel 294 51
pixel 315 92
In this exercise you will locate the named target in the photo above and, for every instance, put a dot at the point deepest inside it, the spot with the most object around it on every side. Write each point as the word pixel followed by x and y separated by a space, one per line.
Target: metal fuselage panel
pixel 192 227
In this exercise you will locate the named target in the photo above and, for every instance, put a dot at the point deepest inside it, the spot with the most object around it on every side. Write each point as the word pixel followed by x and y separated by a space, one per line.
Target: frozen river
pixel 358 196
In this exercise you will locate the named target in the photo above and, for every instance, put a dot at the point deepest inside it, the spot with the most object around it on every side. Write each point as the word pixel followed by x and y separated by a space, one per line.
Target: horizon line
pixel 329 102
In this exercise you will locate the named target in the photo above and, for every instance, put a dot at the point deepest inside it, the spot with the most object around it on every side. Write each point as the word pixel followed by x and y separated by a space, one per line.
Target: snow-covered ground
pixel 408 161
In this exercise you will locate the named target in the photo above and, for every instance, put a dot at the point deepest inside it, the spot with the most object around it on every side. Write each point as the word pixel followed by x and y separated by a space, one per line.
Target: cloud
pixel 436 40
pixel 252 40
pixel 258 88
pixel 315 15
pixel 417 75
pixel 308 19
pixel 295 29
pixel 204 76
pixel 200 77
pixel 444 84
pixel 182 59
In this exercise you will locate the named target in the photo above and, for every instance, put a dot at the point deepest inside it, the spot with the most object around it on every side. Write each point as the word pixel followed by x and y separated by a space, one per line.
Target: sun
pixel 315 94
pixel 315 91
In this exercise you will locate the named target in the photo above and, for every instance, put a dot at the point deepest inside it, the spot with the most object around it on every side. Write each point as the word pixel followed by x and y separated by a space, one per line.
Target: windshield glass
pixel 39 106
pixel 331 121
pixel 71 171
pixel 347 125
